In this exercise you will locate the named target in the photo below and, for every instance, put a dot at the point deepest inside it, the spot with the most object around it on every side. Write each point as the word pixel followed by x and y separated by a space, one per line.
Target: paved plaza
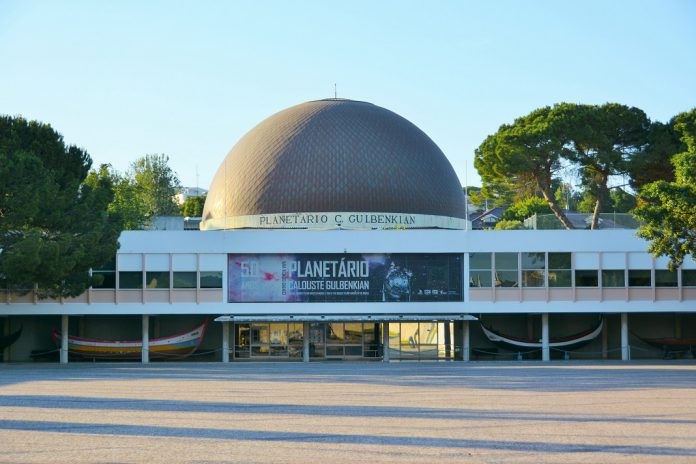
pixel 348 412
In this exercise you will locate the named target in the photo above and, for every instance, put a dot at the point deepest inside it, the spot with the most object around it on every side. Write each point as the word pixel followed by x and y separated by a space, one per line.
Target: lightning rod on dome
pixel 335 92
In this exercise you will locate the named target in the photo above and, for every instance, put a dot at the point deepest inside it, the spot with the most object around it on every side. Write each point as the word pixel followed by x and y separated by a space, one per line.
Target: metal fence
pixel 582 221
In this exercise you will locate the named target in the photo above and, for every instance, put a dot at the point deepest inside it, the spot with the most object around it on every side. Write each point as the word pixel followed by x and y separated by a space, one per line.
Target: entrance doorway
pixel 430 340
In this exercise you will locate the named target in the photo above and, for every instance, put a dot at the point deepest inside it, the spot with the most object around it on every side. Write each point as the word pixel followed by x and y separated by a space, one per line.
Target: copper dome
pixel 333 156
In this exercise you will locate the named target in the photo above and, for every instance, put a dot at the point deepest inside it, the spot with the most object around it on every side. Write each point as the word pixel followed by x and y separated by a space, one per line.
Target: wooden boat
pixel 572 342
pixel 7 340
pixel 174 346
pixel 672 344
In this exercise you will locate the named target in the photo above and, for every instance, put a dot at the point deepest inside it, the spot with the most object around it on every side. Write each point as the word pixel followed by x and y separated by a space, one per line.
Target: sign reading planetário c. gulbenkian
pixel 344 277
pixel 346 220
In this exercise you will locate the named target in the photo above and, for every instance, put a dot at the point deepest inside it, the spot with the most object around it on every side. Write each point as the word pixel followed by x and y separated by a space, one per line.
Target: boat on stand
pixel 174 346
pixel 521 345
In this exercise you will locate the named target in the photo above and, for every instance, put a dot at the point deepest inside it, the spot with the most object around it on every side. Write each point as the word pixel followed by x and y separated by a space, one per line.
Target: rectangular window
pixel 559 261
pixel 506 270
pixel 211 279
pixel 586 278
pixel 130 280
pixel 688 277
pixel 560 279
pixel 664 278
pixel 638 278
pixel 159 279
pixel 533 269
pixel 613 278
pixel 104 279
pixel 184 280
pixel 559 270
pixel 480 274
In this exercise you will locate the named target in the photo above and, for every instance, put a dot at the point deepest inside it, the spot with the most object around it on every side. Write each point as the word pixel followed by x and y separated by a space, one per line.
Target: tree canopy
pixel 193 206
pixel 146 190
pixel 669 208
pixel 524 157
pixel 54 222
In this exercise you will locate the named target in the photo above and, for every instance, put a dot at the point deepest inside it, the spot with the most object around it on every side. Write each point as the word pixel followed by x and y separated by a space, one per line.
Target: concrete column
pixel 625 349
pixel 225 342
pixel 466 341
pixel 605 339
pixel 6 331
pixel 64 339
pixel 145 350
pixel 305 342
pixel 233 340
pixel 385 342
pixel 545 351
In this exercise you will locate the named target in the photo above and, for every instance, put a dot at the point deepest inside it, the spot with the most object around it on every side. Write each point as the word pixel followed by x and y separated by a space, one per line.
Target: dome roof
pixel 331 156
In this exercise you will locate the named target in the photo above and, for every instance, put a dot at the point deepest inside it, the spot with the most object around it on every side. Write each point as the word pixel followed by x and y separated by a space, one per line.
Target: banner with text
pixel 344 277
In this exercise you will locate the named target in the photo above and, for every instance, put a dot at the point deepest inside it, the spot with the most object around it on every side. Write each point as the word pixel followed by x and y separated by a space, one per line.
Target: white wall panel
pixel 662 262
pixel 586 260
pixel 130 262
pixel 157 262
pixel 613 260
pixel 639 261
pixel 184 262
pixel 213 262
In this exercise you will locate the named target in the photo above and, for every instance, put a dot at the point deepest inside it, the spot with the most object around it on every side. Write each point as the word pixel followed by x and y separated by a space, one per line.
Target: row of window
pixel 503 270
pixel 133 280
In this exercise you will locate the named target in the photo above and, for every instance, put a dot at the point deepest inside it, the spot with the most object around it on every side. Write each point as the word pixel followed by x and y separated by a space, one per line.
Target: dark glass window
pixel 505 278
pixel 638 278
pixel 104 279
pixel 130 279
pixel 560 279
pixel 559 260
pixel 533 278
pixel 158 279
pixel 586 278
pixel 480 261
pixel 688 277
pixel 480 274
pixel 185 279
pixel 613 278
pixel 108 266
pixel 480 278
pixel 664 278
pixel 533 261
pixel 506 261
pixel 211 279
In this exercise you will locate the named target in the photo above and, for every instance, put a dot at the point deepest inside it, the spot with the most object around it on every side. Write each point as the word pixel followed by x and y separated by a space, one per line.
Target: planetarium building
pixel 337 229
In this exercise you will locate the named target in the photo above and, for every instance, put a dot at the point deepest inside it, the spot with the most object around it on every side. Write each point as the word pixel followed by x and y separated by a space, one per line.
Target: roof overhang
pixel 345 318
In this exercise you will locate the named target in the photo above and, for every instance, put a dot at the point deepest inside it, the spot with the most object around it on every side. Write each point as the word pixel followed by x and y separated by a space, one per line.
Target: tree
pixel 526 157
pixel 156 183
pixel 603 138
pixel 146 190
pixel 521 210
pixel 54 224
pixel 193 206
pixel 508 224
pixel 669 208
pixel 653 162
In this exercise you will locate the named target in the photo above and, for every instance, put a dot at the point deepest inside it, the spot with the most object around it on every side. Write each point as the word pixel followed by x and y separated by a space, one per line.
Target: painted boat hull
pixel 8 340
pixel 570 343
pixel 174 346
pixel 672 344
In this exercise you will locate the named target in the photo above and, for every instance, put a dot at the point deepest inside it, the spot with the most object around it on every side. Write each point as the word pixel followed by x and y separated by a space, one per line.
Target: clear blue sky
pixel 188 79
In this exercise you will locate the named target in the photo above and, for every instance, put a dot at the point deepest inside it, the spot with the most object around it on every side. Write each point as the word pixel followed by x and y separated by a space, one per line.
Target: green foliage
pixel 620 201
pixel 521 210
pixel 193 206
pixel 523 158
pixel 603 138
pixel 508 224
pixel 653 162
pixel 567 197
pixel 669 208
pixel 146 190
pixel 55 224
